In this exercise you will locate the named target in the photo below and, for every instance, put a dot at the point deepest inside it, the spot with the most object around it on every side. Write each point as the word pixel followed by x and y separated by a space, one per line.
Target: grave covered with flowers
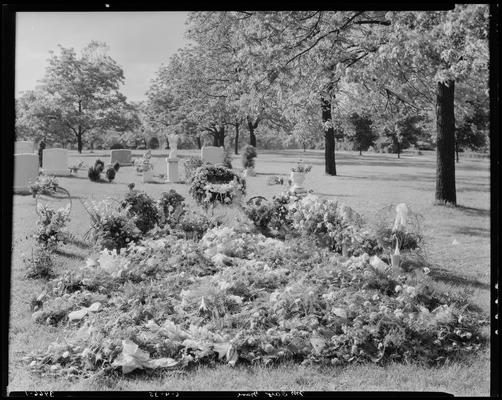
pixel 319 291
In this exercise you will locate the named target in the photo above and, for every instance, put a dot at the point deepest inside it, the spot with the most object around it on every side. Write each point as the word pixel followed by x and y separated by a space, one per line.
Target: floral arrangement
pixel 143 208
pixel 75 168
pixel 44 185
pixel 271 217
pixel 51 226
pixel 216 184
pixel 144 164
pixel 112 226
pixel 301 167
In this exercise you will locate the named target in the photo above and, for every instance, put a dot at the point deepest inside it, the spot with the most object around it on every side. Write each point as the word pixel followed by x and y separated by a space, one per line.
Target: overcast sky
pixel 138 41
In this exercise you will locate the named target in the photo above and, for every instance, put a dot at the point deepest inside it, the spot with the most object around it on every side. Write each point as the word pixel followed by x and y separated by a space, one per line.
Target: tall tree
pixel 429 55
pixel 37 119
pixel 308 51
pixel 363 134
pixel 84 89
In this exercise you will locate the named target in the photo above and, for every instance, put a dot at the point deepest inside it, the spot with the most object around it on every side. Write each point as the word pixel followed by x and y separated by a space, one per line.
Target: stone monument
pixel 172 160
pixel 55 162
pixel 123 156
pixel 25 172
pixel 212 155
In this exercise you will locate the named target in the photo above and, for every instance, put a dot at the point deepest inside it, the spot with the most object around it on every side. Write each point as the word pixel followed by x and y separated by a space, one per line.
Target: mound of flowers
pixel 237 296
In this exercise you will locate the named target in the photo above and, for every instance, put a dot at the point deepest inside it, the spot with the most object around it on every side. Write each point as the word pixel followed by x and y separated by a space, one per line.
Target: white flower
pixel 426 270
pixel 398 288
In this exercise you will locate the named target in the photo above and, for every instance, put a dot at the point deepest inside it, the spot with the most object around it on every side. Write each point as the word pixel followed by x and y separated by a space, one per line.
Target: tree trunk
pixel 445 152
pixel 236 138
pixel 456 149
pixel 79 140
pixel 398 149
pixel 199 142
pixel 215 139
pixel 221 137
pixel 329 138
pixel 360 151
pixel 252 136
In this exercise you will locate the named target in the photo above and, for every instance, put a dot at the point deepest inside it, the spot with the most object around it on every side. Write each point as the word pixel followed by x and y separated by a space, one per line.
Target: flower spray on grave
pixel 298 175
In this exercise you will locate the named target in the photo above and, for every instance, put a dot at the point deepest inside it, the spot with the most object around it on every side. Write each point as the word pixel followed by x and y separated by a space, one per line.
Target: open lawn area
pixel 457 243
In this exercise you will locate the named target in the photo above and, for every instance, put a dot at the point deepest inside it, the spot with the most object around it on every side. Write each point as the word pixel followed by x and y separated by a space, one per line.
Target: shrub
pixel 110 174
pixel 94 174
pixel 171 205
pixel 142 207
pixel 111 224
pixel 117 146
pixel 248 156
pixel 153 143
pixel 215 184
pixel 116 166
pixel 190 165
pixel 99 165
pixel 40 264
pixel 51 226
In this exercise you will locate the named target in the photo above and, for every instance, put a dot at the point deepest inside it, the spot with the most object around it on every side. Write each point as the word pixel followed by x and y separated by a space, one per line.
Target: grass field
pixel 366 183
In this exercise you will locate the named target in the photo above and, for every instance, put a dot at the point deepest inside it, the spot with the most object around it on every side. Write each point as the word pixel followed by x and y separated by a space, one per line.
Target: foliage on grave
pixel 239 297
pixel 172 206
pixel 333 225
pixel 142 207
pixel 51 226
pixel 39 264
pixel 216 184
pixel 271 217
pixel 112 226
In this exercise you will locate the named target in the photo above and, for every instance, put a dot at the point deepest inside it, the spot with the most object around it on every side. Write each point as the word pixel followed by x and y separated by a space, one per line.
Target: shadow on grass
pixel 445 276
pixel 332 194
pixel 473 231
pixel 68 254
pixel 81 244
pixel 476 212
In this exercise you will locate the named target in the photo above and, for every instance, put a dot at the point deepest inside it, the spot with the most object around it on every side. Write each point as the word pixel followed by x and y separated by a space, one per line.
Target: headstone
pixel 123 157
pixel 212 155
pixel 173 144
pixel 25 171
pixel 172 170
pixel 24 147
pixel 55 162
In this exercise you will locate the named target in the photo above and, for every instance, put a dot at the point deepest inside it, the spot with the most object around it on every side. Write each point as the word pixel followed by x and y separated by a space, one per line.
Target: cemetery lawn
pixel 457 242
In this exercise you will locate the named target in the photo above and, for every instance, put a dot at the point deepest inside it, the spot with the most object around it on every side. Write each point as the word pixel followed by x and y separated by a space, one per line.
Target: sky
pixel 139 41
